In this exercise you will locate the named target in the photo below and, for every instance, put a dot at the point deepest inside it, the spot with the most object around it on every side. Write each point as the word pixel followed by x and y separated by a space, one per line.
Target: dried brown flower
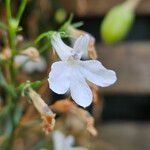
pixel 88 119
pixel 63 105
pixel 46 114
pixel 76 116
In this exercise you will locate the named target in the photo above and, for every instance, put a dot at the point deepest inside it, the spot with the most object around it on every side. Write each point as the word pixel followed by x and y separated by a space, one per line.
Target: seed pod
pixel 117 23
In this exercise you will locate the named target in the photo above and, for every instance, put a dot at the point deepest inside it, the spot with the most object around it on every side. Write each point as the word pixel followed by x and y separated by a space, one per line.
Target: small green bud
pixel 117 23
pixel 60 15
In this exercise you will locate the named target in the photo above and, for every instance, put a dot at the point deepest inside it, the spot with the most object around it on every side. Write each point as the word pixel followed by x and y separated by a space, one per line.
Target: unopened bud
pixel 6 53
pixel 32 53
pixel 60 15
pixel 117 22
pixel 19 39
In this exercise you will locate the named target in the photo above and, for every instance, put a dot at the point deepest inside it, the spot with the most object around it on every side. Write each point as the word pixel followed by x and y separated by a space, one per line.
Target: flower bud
pixel 117 23
pixel 19 39
pixel 30 66
pixel 60 15
pixel 6 53
pixel 32 53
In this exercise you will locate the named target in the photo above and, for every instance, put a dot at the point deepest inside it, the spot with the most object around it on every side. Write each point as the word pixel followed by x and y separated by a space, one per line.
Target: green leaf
pixel 66 24
pixel 17 114
pixel 21 9
pixel 78 24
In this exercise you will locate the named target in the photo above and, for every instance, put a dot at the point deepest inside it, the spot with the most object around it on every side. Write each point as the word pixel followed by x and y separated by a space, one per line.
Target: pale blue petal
pixel 80 91
pixel 63 51
pixel 59 77
pixel 96 73
pixel 81 45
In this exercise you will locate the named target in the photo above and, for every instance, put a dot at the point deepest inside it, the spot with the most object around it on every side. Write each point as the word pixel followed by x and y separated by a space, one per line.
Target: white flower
pixel 30 66
pixel 71 73
pixel 64 143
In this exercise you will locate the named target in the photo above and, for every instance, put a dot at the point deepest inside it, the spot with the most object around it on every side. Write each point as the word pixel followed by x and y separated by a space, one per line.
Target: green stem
pixel 44 48
pixel 41 36
pixel 12 28
pixel 7 87
pixel 12 36
pixel 11 92
pixel 21 9
pixel 8 9
pixel 11 32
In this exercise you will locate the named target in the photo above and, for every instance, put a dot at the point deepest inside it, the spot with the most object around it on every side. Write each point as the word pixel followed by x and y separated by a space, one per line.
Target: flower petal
pixel 63 51
pixel 79 148
pixel 80 91
pixel 69 141
pixel 59 77
pixel 81 45
pixel 58 140
pixel 95 72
